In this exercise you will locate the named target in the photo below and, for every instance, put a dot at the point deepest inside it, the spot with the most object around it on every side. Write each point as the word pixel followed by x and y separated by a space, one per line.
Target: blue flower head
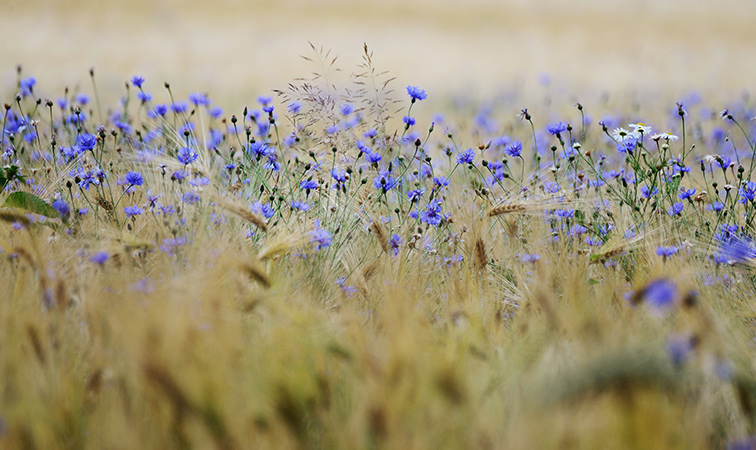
pixel 466 157
pixel 134 179
pixel 557 128
pixel 659 294
pixel 514 149
pixel 137 81
pixel 416 93
pixel 320 237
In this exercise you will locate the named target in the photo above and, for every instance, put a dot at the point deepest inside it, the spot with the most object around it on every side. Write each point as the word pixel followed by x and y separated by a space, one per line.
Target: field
pixel 220 249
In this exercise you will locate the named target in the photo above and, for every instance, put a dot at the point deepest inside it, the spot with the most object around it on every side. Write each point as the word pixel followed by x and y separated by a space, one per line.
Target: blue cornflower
pixel 557 128
pixel 736 250
pixel 627 145
pixel 416 93
pixel 82 99
pixel 134 179
pixel 415 194
pixel 466 157
pixel 647 193
pixel 308 185
pixel 198 98
pixel 346 109
pixel 179 175
pixel 132 210
pixel 137 81
pixel 27 85
pixel 99 258
pixel 676 209
pixel 320 237
pixel 333 129
pixel 432 214
pixel 716 206
pixel 339 176
pixel 64 211
pixel 190 197
pixel 551 187
pixel 300 206
pixel 144 97
pixel 216 112
pixel 395 241
pixel 348 289
pixel 408 121
pixel 161 109
pixel 747 192
pixel 180 107
pixel 666 252
pixel 186 155
pixel 371 133
pixel 85 142
pixel 686 193
pixel 268 109
pixel 441 182
pixel 564 213
pixel 265 209
pixel 514 149
pixel 373 157
pixel 272 163
pixel 659 294
pixel 258 150
pixel 530 258
pixel 577 229
pixel 264 100
pixel 384 181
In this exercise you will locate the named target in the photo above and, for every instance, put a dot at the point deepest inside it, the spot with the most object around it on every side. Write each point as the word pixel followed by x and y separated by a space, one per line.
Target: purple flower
pixel 666 252
pixel 416 93
pixel 432 214
pixel 395 241
pixel 137 81
pixel 198 98
pixel 134 179
pixel 514 149
pixel 132 210
pixel 346 109
pixel 660 294
pixel 320 237
pixel 409 121
pixel 308 185
pixel 85 142
pixel 747 192
pixel 64 211
pixel 686 193
pixel 415 194
pixel 557 128
pixel 99 258
pixel 186 155
pixel 736 250
pixel 466 157
pixel 676 209
pixel 384 182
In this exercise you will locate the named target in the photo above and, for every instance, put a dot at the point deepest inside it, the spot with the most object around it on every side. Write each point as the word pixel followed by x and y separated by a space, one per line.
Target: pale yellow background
pixel 237 50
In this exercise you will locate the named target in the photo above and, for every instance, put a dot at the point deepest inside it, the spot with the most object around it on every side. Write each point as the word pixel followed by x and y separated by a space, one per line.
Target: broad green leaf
pixel 31 203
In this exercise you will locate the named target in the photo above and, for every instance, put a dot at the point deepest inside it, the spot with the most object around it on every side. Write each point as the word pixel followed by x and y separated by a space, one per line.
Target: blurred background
pixel 236 50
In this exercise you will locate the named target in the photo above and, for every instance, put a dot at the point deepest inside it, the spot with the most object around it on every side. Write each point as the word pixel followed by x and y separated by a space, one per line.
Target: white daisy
pixel 620 134
pixel 639 129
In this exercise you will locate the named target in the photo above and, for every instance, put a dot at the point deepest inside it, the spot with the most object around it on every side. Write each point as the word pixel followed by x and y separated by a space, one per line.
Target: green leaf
pixel 31 203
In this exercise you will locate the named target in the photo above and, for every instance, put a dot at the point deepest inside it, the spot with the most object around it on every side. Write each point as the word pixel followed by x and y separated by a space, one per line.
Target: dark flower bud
pixel 233 119
pixel 418 142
